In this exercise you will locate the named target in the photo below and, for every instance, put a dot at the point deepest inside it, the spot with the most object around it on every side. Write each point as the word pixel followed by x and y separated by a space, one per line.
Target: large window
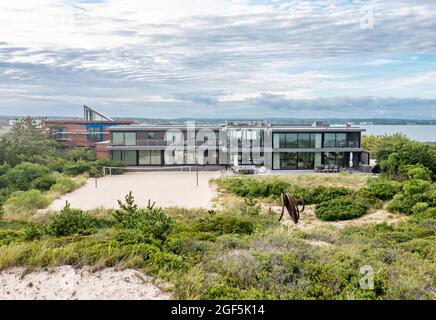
pixel 130 157
pixel 304 140
pixel 306 160
pixel 124 138
pixel 297 140
pixel 294 160
pixel 336 158
pixel 149 157
pixel 329 140
pixel 288 160
pixel 130 138
pixel 291 140
pixel 341 140
pixel 117 155
pixel 337 140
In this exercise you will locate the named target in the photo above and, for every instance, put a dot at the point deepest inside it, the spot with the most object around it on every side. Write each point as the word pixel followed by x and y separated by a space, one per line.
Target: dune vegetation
pixel 239 251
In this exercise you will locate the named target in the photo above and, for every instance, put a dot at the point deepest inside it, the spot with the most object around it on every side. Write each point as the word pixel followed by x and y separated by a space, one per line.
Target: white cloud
pixel 212 50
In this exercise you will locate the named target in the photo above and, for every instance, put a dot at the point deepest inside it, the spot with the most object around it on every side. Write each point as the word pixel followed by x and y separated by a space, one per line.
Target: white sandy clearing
pixel 67 283
pixel 167 189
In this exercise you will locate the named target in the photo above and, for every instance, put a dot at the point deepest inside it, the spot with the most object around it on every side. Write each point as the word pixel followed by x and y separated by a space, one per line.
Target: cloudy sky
pixel 219 58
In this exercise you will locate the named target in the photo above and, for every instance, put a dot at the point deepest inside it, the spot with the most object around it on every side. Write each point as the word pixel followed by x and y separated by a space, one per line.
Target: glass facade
pixel 149 157
pixel 304 148
pixel 304 140
pixel 124 138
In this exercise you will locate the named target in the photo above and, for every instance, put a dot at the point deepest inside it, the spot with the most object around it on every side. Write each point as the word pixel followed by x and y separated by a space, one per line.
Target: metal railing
pixel 165 143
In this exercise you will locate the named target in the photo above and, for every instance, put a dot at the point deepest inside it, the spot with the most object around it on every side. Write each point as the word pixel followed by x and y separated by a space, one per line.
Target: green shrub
pixel 321 194
pixel 419 207
pixel 225 224
pixel 79 154
pixel 383 188
pixel 25 202
pixel 10 236
pixel 414 191
pixel 340 209
pixel 417 171
pixel 72 221
pixel 152 222
pixel 43 183
pixel 34 231
pixel 78 167
pixel 251 207
pixel 21 176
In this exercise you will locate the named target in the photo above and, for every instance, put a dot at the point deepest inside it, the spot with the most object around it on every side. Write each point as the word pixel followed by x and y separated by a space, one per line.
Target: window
pixel 59 132
pixel 305 160
pixel 117 155
pixel 329 140
pixel 94 134
pixel 151 135
pixel 282 140
pixel 330 158
pixel 149 157
pixel 130 158
pixel 130 138
pixel 291 140
pixel 341 140
pixel 124 138
pixel 288 160
pixel 304 140
pixel 118 138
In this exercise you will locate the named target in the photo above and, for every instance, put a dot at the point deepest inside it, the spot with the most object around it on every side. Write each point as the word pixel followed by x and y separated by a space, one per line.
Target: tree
pixel 26 141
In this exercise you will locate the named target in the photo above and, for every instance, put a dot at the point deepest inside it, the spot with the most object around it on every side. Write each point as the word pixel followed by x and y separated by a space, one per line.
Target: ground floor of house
pixel 274 160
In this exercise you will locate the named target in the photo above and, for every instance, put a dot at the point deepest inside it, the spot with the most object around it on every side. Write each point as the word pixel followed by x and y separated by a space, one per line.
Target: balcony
pixel 165 143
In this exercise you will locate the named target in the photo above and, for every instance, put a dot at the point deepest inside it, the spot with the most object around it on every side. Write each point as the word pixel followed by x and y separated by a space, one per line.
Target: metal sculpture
pixel 291 205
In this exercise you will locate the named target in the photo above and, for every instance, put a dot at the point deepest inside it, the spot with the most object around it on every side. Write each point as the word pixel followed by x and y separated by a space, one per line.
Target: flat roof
pixel 86 121
pixel 273 128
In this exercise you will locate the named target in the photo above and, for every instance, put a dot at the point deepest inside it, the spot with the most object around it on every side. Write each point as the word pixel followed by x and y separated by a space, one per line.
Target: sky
pixel 219 58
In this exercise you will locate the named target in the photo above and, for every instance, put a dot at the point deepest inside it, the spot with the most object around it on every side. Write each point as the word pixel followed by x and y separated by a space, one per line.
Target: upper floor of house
pixel 237 133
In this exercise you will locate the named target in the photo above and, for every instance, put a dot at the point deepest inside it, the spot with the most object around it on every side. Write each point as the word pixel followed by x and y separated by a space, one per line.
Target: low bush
pixel 225 224
pixel 250 207
pixel 273 188
pixel 340 209
pixel 413 192
pixel 71 221
pixel 78 167
pixel 321 194
pixel 417 171
pixel 151 221
pixel 21 176
pixel 382 188
pixel 10 236
pixel 43 183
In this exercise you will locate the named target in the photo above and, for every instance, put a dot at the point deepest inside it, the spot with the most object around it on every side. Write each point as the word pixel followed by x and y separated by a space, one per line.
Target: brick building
pixel 90 132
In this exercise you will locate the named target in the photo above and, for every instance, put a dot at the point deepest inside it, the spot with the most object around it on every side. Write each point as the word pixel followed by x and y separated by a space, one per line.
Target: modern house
pixel 238 143
pixel 87 132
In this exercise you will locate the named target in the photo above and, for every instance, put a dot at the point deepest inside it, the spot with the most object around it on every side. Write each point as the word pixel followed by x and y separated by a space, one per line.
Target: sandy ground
pixel 167 189
pixel 309 220
pixel 67 283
